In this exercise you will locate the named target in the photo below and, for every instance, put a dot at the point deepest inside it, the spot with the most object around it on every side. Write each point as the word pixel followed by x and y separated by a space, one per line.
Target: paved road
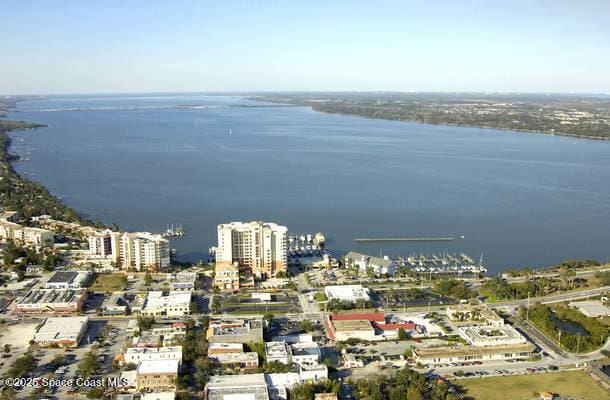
pixel 557 298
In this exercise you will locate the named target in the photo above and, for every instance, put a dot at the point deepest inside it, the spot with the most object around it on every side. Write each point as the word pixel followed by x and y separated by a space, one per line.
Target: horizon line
pixel 242 92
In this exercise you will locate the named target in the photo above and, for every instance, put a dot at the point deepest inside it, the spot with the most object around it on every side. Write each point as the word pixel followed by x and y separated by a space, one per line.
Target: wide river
pixel 144 162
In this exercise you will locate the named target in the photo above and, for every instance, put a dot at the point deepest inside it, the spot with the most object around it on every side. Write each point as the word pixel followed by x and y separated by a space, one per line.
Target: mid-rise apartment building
pixel 138 251
pixel 25 235
pixel 258 246
pixel 105 244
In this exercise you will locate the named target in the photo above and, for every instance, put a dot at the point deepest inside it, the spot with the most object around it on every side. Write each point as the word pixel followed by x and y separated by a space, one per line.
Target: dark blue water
pixel 572 327
pixel 521 199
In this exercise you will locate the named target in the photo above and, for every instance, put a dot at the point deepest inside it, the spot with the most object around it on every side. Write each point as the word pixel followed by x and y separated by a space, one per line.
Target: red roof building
pixel 371 317
pixel 407 326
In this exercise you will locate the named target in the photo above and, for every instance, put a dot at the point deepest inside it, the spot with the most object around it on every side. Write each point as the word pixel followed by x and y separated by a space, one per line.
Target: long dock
pixel 406 239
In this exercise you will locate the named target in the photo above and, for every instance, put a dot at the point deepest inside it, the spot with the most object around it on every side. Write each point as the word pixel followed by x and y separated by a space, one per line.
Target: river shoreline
pixel 20 194
pixel 420 122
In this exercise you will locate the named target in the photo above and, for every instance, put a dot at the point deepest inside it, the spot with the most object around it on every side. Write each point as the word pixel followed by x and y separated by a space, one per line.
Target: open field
pixel 108 283
pixel 575 384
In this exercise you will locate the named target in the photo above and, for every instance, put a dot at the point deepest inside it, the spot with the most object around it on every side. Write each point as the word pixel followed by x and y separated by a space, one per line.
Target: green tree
pixel 268 317
pixel 89 364
pixel 95 393
pixel 402 334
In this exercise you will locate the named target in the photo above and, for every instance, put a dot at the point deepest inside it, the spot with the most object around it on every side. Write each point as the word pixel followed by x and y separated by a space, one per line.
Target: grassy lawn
pixel 567 384
pixel 108 283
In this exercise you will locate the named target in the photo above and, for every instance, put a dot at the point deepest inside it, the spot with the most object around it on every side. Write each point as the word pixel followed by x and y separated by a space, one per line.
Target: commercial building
pixel 174 304
pixel 245 360
pixel 392 331
pixel 294 338
pixel 325 396
pixel 116 304
pixel 158 396
pixel 136 355
pixel 132 327
pixel 51 301
pixel 139 251
pixel 350 361
pixel 279 384
pixel 278 351
pixel 147 340
pixel 446 355
pixel 237 387
pixel 226 277
pixel 474 314
pixel 313 372
pixel 68 280
pixel 157 375
pixel 183 280
pixel 61 332
pixel 235 331
pixel 305 353
pixel 171 333
pixel 257 246
pixel 368 326
pixel 342 330
pixel 24 235
pixel 591 308
pixel 225 348
pixel 484 336
pixel 365 263
pixel 349 293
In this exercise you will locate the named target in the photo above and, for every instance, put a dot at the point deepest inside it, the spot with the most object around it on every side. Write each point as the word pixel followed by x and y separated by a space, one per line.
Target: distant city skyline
pixel 116 47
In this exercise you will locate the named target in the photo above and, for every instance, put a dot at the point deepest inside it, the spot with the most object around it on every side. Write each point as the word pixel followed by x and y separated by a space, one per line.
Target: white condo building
pixel 133 250
pixel 106 244
pixel 25 235
pixel 260 246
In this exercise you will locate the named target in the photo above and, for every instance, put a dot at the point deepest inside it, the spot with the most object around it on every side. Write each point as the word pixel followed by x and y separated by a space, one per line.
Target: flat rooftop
pixel 442 352
pixel 231 358
pixel 158 367
pixel 154 350
pixel 63 277
pixel 66 328
pixel 226 346
pixel 45 296
pixel 487 335
pixel 356 325
pixel 156 299
pixel 276 349
pixel 237 387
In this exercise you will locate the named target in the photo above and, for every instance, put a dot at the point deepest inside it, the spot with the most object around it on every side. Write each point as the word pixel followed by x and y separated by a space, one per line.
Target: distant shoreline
pixel 421 122
pixel 23 195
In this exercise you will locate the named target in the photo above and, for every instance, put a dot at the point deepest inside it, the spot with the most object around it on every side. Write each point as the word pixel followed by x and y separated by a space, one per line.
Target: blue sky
pixel 155 46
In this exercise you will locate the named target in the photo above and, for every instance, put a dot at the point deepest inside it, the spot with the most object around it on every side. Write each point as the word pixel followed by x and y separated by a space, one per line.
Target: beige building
pixel 157 375
pixel 144 251
pixel 446 355
pixel 105 244
pixel 61 332
pixel 172 304
pixel 474 314
pixel 226 277
pixel 25 235
pixel 257 246
pixel 51 301
pixel 140 251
